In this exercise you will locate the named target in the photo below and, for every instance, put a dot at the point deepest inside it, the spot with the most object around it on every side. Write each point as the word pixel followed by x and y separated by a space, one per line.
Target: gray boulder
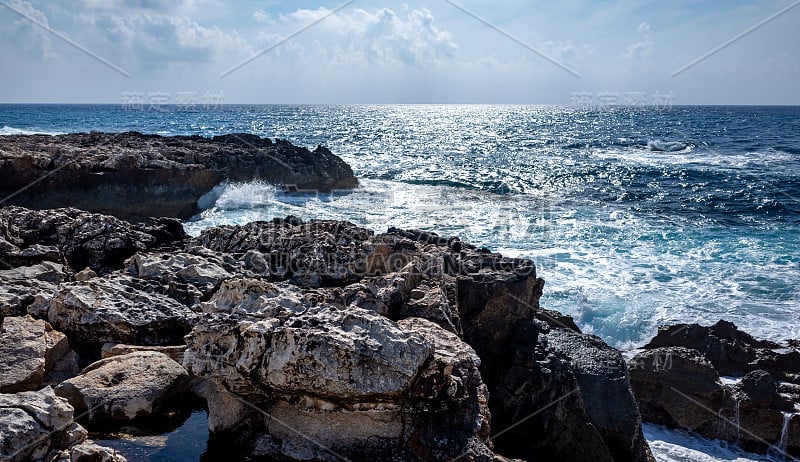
pixel 117 309
pixel 40 426
pixel 33 355
pixel 125 387
pixel 19 286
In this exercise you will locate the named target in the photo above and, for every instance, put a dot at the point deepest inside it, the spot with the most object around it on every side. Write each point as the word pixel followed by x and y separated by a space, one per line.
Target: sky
pixel 361 51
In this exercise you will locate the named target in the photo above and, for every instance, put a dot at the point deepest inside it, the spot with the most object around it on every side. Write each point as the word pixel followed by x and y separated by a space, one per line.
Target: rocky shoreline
pixel 135 176
pixel 322 340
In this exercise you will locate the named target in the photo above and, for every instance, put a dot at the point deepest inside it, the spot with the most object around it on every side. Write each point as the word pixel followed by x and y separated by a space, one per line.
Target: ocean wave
pixel 239 196
pixel 680 446
pixel 669 146
pixel 6 130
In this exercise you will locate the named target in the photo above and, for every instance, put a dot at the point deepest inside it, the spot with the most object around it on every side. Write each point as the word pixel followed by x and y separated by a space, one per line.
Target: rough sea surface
pixel 635 217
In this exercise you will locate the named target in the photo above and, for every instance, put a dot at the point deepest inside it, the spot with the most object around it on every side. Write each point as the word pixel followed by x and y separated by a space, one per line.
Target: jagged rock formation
pixel 33 355
pixel 399 345
pixel 37 425
pixel 677 382
pixel 77 239
pixel 135 176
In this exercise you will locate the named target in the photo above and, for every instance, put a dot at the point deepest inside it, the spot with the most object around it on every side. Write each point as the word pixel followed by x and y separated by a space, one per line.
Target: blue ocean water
pixel 636 217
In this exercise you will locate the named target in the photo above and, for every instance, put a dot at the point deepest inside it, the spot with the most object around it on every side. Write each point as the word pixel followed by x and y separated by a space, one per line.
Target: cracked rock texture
pixel 677 382
pixel 135 176
pixel 401 345
pixel 38 425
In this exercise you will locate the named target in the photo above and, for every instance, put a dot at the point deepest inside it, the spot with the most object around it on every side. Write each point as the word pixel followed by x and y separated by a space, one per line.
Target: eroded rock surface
pixel 118 310
pixel 401 345
pixel 38 425
pixel 33 355
pixel 77 238
pixel 135 176
pixel 677 382
pixel 125 387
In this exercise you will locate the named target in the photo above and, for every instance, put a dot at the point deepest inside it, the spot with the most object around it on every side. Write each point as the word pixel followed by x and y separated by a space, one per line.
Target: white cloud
pixel 363 37
pixel 263 17
pixel 567 53
pixel 639 50
pixel 26 36
pixel 156 40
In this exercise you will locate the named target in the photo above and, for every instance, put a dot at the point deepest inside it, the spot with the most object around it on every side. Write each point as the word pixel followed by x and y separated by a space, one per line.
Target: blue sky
pixel 398 52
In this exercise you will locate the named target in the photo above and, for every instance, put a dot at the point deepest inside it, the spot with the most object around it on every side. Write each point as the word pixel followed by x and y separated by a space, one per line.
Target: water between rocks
pixel 188 441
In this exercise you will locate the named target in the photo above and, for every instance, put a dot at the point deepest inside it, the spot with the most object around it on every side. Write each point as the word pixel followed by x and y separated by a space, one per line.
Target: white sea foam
pixel 6 130
pixel 620 275
pixel 677 446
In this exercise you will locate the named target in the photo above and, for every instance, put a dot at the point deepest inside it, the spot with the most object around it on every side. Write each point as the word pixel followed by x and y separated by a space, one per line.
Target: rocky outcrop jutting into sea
pixel 722 383
pixel 315 340
pixel 135 176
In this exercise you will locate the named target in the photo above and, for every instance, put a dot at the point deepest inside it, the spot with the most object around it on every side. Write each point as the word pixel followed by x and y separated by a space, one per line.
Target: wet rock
pixel 125 387
pixel 560 384
pixel 135 176
pixel 227 412
pixel 603 378
pixel 33 355
pixel 731 351
pixel 680 387
pixel 675 386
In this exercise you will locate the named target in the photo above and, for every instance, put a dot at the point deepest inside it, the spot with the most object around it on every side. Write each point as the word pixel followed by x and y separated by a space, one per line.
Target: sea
pixel 636 217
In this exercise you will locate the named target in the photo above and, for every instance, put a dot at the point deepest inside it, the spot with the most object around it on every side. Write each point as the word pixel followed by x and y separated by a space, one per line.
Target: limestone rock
pixel 174 352
pixel 19 286
pixel 118 309
pixel 85 274
pixel 319 253
pixel 200 268
pixel 78 238
pixel 324 351
pixel 88 451
pixel 289 372
pixel 38 425
pixel 32 354
pixel 135 176
pixel 125 387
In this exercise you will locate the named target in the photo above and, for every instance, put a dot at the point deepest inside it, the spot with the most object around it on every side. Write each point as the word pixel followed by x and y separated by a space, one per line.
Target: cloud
pixel 642 49
pixel 567 53
pixel 369 37
pixel 156 40
pixel 639 50
pixel 24 35
pixel 263 17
